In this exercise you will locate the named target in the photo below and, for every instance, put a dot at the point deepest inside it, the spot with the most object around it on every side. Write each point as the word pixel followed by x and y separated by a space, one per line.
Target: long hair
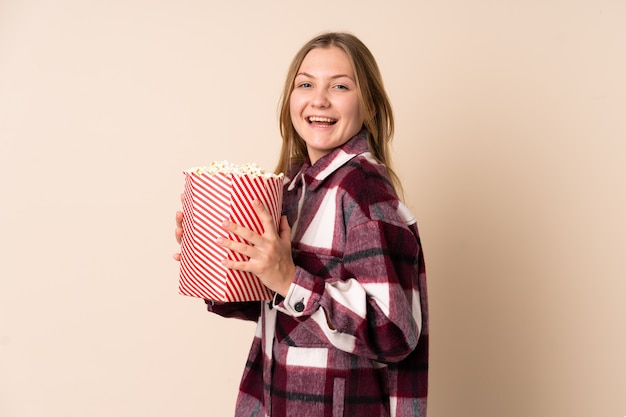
pixel 373 102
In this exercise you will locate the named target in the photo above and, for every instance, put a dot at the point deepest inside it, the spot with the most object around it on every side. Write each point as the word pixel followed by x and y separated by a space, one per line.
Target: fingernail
pixel 220 240
pixel 226 223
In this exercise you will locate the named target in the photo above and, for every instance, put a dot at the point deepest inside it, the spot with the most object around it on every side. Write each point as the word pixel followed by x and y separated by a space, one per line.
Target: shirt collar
pixel 332 161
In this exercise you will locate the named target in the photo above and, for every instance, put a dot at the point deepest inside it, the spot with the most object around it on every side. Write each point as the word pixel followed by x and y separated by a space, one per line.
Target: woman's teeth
pixel 316 119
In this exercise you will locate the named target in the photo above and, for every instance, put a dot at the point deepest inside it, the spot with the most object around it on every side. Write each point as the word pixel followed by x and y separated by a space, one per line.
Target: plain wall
pixel 511 143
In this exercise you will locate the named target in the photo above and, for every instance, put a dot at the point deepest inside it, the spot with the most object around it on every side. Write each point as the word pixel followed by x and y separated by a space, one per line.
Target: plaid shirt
pixel 351 336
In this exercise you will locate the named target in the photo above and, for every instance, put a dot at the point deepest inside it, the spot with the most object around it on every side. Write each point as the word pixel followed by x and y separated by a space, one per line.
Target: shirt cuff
pixel 296 301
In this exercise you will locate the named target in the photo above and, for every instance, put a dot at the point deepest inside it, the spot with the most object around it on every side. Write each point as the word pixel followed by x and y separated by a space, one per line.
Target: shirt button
pixel 299 307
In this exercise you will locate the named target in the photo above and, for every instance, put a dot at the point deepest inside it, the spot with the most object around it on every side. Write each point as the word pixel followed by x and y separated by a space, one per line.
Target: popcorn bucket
pixel 211 196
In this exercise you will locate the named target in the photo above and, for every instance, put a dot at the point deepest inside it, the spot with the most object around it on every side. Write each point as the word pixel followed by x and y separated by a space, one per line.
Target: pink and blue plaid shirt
pixel 351 336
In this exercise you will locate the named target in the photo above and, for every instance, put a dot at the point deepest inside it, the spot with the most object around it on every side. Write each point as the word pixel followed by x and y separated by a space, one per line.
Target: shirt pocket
pixel 313 367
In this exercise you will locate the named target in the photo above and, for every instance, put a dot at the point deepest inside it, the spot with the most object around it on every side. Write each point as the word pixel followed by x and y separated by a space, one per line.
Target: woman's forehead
pixel 327 60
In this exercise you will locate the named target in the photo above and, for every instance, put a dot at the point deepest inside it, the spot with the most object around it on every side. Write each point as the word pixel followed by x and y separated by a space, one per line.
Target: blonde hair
pixel 373 101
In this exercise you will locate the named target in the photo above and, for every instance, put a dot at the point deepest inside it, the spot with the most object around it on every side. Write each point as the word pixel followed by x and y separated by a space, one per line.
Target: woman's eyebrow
pixel 306 74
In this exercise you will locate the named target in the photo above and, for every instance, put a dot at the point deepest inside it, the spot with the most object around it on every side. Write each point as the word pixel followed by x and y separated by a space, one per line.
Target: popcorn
pixel 225 167
pixel 214 193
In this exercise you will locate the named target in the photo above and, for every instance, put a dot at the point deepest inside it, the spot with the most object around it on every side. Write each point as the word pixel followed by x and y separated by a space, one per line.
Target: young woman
pixel 347 331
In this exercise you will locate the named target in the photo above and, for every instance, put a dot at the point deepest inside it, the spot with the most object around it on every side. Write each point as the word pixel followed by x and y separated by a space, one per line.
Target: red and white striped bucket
pixel 209 199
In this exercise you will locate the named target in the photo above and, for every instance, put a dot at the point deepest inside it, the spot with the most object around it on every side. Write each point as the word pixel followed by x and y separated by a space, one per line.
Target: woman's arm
pixel 245 310
pixel 374 310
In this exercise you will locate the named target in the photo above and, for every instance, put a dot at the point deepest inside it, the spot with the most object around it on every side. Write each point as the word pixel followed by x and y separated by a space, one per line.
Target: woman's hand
pixel 269 253
pixel 178 232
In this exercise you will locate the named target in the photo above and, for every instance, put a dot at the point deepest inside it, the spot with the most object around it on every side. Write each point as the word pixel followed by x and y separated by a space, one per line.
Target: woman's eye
pixel 304 85
pixel 341 87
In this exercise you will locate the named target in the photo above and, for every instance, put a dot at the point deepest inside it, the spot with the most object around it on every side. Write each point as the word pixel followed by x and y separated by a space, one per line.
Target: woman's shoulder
pixel 363 174
pixel 365 186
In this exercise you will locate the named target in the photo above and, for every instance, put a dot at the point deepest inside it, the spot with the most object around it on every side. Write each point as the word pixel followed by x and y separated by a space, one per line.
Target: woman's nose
pixel 320 98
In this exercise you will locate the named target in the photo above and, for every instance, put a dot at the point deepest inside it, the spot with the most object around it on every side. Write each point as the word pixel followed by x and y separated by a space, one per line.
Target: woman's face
pixel 324 103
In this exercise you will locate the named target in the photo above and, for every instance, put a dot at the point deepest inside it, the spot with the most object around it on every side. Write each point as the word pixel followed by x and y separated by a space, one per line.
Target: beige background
pixel 511 142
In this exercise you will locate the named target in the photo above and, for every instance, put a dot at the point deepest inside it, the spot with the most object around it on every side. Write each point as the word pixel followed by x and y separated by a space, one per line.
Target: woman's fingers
pixel 178 231
pixel 254 245
pixel 250 252
pixel 268 254
pixel 243 232
pixel 269 227
pixel 238 247
pixel 284 231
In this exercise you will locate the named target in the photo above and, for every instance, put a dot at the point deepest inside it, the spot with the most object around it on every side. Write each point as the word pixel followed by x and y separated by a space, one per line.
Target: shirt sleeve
pixel 245 310
pixel 374 309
